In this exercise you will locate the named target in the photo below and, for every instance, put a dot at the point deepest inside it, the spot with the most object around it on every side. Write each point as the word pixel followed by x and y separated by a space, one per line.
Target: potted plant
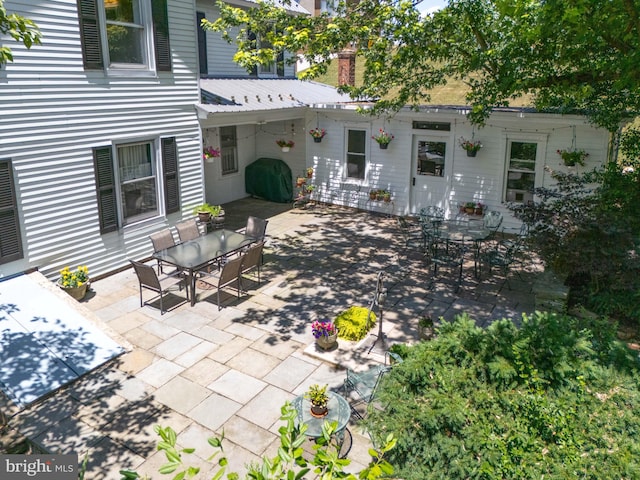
pixel 317 134
pixel 470 146
pixel 206 211
pixel 383 138
pixel 209 153
pixel 74 282
pixel 300 181
pixel 325 333
pixel 470 207
pixel 285 145
pixel 310 188
pixel 386 196
pixel 310 172
pixel 319 398
pixel 425 327
pixel 380 195
pixel 479 208
pixel 373 194
pixel 573 157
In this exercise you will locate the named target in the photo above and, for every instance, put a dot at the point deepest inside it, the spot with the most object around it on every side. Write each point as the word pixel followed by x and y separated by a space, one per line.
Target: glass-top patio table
pixel 463 231
pixel 196 254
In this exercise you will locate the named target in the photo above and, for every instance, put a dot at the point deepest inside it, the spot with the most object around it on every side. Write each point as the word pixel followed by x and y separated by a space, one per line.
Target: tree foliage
pixel 586 227
pixel 20 29
pixel 554 398
pixel 578 55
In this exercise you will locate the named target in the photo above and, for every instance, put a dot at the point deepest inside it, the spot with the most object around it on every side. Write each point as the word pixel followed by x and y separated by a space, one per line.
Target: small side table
pixel 339 411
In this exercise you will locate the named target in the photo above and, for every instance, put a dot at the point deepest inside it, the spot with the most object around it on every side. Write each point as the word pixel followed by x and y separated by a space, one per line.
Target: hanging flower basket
pixel 317 134
pixel 571 158
pixel 209 153
pixel 383 138
pixel 470 146
pixel 285 145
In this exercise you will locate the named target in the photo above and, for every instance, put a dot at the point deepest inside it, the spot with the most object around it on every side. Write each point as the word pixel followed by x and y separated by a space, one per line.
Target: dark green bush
pixel 587 228
pixel 551 399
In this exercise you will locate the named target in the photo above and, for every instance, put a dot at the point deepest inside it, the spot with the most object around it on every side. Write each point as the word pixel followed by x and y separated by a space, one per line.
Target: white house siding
pixel 254 141
pixel 479 179
pixel 220 52
pixel 53 114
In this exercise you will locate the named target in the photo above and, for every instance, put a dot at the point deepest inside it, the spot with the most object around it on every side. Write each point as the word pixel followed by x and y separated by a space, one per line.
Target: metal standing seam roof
pixel 225 95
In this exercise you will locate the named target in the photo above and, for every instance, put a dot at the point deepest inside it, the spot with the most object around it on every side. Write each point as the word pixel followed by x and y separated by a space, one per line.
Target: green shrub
pixel 549 399
pixel 352 323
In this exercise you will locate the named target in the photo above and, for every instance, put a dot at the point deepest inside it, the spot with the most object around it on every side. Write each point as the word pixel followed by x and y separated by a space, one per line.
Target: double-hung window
pixel 135 185
pixel 356 154
pixel 522 169
pixel 228 150
pixel 125 34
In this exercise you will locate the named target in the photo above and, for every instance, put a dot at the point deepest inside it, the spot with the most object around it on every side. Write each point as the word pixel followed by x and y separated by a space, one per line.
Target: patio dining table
pixel 196 254
pixel 464 231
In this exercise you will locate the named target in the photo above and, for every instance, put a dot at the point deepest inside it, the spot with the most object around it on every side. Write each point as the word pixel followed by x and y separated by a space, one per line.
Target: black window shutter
pixel 106 189
pixel 161 35
pixel 10 239
pixel 202 45
pixel 90 34
pixel 170 174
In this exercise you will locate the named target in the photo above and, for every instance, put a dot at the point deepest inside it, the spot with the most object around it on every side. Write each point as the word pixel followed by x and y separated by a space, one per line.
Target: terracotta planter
pixel 325 343
pixel 76 292
pixel 373 196
pixel 469 210
pixel 386 198
pixel 478 211
pixel 319 411
pixel 204 217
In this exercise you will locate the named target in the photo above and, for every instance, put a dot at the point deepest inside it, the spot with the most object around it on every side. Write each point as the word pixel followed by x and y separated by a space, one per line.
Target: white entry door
pixel 430 171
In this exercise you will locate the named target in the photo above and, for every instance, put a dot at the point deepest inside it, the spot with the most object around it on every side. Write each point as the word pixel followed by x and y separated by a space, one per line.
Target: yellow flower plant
pixel 77 278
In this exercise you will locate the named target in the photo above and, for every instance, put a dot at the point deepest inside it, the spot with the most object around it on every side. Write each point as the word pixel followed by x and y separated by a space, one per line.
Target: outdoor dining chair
pixel 411 234
pixel 503 255
pixel 251 262
pixel 441 252
pixel 364 385
pixel 148 279
pixel 160 241
pixel 432 214
pixel 257 228
pixel 492 221
pixel 227 277
pixel 187 230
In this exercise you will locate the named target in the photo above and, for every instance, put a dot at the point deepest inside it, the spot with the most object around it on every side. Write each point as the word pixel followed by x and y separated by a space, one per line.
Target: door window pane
pixel 431 157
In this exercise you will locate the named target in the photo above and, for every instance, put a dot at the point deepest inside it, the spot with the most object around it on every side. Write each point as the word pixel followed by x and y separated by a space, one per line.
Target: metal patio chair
pixel 226 277
pixel 411 234
pixel 364 385
pixel 441 252
pixel 251 262
pixel 160 241
pixel 148 279
pixel 187 230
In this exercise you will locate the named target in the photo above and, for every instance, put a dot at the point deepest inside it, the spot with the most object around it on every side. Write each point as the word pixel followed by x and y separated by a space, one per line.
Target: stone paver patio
pixel 201 370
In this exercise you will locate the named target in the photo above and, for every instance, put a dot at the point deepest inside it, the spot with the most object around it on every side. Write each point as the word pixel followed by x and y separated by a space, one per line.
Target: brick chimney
pixel 347 67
